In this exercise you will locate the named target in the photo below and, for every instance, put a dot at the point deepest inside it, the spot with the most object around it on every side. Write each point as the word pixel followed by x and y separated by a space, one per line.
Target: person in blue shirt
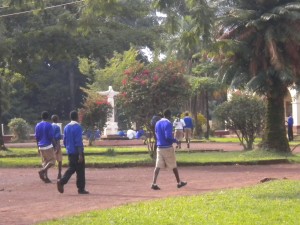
pixel 57 138
pixel 121 133
pixel 165 151
pixel 140 134
pixel 188 128
pixel 45 141
pixel 75 150
pixel 290 123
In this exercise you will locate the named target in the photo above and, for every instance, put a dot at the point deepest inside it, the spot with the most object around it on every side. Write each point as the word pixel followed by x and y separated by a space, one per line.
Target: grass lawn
pixel 87 150
pixel 28 157
pixel 276 202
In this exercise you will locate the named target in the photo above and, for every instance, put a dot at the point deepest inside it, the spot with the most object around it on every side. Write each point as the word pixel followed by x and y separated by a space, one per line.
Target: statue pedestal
pixel 111 128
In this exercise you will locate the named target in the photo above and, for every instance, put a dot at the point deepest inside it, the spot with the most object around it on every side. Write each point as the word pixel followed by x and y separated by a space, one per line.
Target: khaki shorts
pixel 187 133
pixel 58 153
pixel 178 135
pixel 47 156
pixel 166 158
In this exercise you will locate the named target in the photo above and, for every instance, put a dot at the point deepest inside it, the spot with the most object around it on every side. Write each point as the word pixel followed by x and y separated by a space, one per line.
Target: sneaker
pixel 155 187
pixel 83 192
pixel 42 175
pixel 47 180
pixel 60 187
pixel 181 184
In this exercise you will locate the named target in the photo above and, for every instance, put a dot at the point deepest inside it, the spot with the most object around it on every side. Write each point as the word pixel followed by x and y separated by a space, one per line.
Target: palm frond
pixel 258 83
pixel 266 17
pixel 286 76
pixel 240 79
pixel 293 6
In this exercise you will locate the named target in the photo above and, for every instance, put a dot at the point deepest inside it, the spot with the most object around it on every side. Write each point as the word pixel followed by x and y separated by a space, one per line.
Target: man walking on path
pixel 165 151
pixel 45 140
pixel 75 150
pixel 57 138
pixel 188 128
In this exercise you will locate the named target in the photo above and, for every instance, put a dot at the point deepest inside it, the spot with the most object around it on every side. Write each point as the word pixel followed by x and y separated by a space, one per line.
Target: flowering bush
pixel 94 112
pixel 148 90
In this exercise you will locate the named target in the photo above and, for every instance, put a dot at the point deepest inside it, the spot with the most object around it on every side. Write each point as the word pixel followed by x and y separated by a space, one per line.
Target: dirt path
pixel 24 199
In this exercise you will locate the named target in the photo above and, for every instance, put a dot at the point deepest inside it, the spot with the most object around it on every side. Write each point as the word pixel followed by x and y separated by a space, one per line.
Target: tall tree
pixel 189 27
pixel 45 43
pixel 259 46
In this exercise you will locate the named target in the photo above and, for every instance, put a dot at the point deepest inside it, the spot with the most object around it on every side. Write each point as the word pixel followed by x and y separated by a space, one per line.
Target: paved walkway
pixel 25 199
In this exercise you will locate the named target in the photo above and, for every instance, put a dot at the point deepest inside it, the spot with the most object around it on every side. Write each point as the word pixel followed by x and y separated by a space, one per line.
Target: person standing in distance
pixel 178 125
pixel 75 150
pixel 45 142
pixel 290 123
pixel 165 151
pixel 188 128
pixel 57 138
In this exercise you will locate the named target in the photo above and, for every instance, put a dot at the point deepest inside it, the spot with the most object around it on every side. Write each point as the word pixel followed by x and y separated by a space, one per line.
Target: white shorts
pixel 166 158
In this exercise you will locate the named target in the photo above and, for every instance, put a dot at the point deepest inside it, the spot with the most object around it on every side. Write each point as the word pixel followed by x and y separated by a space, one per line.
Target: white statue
pixel 111 125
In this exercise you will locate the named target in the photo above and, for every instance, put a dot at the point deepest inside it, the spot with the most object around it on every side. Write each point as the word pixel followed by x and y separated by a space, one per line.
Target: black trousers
pixel 79 168
pixel 290 133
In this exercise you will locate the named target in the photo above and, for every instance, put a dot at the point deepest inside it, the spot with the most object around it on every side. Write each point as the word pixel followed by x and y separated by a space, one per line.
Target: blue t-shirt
pixel 56 131
pixel 164 133
pixel 44 133
pixel 290 121
pixel 188 122
pixel 139 134
pixel 73 138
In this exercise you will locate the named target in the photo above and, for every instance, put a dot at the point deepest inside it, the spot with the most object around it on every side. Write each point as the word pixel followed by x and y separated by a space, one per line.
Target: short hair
pixel 186 113
pixel 167 113
pixel 54 118
pixel 45 115
pixel 74 115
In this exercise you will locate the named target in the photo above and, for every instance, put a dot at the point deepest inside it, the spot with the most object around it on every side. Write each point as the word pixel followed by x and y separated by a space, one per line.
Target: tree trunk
pixel 2 145
pixel 72 87
pixel 274 137
pixel 207 115
pixel 194 114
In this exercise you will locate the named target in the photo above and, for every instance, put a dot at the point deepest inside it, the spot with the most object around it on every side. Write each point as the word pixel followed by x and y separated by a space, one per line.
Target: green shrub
pixel 19 128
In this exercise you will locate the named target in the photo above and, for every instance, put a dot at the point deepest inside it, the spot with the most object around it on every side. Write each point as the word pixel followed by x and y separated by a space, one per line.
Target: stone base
pixel 113 137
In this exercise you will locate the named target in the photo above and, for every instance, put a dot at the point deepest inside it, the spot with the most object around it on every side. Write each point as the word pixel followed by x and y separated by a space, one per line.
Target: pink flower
pixel 146 72
pixel 155 78
pixel 144 82
pixel 128 72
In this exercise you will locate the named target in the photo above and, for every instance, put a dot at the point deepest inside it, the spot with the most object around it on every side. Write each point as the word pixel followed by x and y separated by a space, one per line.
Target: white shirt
pixel 131 134
pixel 178 124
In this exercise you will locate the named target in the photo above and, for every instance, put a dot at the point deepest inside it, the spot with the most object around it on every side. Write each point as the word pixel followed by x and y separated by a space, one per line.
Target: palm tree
pixel 259 43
